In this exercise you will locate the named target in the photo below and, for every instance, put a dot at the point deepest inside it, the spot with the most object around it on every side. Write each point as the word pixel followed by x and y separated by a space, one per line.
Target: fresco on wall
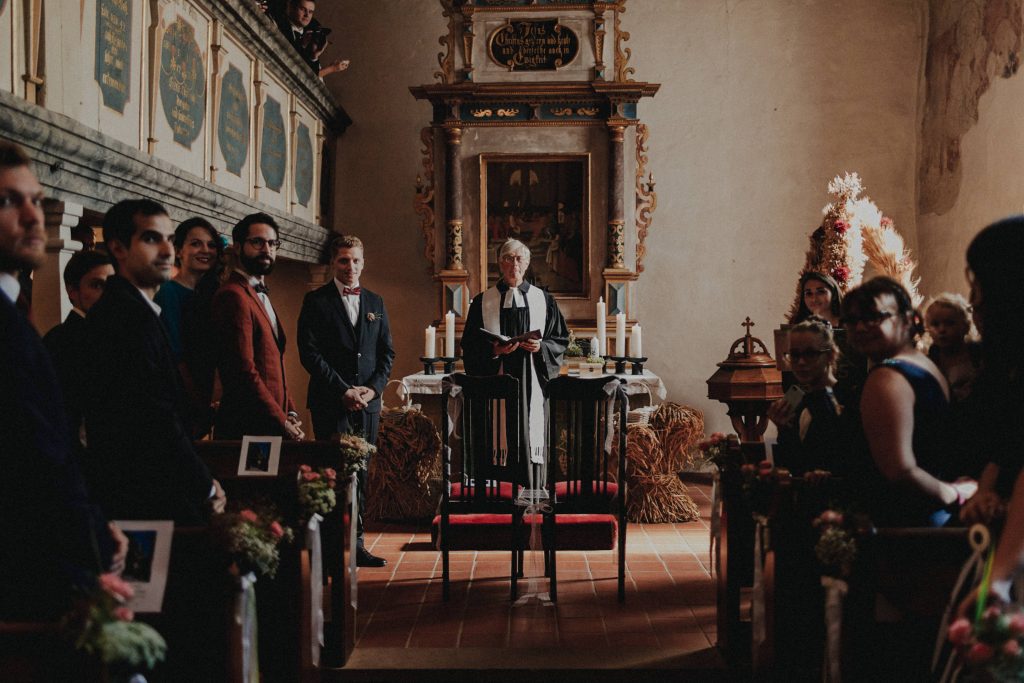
pixel 233 121
pixel 971 43
pixel 113 51
pixel 182 82
pixel 272 147
pixel 303 165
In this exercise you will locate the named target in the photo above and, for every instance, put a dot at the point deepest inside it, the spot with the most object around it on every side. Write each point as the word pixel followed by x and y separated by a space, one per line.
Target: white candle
pixel 620 334
pixel 594 347
pixel 602 327
pixel 449 335
pixel 429 336
pixel 635 343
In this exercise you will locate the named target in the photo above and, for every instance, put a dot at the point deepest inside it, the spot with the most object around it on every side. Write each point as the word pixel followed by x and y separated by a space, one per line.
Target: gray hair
pixel 514 246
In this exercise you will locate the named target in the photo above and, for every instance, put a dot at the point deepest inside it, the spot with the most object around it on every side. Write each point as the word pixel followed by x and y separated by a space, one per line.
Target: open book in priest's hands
pixel 520 338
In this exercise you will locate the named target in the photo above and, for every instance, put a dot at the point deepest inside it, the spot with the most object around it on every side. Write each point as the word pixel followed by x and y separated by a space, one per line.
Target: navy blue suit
pixel 51 537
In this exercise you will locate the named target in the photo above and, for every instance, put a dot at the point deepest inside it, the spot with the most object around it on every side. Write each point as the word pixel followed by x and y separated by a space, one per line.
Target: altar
pixel 648 384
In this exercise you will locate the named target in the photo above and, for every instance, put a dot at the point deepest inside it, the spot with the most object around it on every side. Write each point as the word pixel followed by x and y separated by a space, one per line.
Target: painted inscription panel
pixel 113 51
pixel 233 122
pixel 533 45
pixel 303 165
pixel 182 82
pixel 273 146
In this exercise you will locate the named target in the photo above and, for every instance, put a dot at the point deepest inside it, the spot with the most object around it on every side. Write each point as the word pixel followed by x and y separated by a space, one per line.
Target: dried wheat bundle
pixel 886 251
pixel 659 498
pixel 405 476
pixel 679 428
pixel 643 448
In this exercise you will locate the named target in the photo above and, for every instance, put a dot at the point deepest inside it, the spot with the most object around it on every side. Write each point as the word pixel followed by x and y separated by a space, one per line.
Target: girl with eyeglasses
pixel 810 435
pixel 904 475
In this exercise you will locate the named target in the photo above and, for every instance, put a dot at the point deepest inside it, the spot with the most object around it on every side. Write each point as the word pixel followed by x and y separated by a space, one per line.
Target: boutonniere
pixel 371 317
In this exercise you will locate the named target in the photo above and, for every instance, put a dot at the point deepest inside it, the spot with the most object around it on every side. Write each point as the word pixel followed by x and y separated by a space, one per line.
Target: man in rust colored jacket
pixel 251 341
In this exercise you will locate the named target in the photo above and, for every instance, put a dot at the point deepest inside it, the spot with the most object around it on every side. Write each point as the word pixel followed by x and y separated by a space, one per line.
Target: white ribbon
pixel 972 572
pixel 245 616
pixel 316 580
pixel 835 592
pixel 536 504
pixel 757 615
pixel 353 540
pixel 714 551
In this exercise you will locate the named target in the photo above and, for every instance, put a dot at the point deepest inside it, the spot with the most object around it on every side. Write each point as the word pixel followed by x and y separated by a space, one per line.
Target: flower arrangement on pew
pixel 316 490
pixel 105 628
pixel 991 648
pixel 759 483
pixel 836 548
pixel 252 539
pixel 355 452
pixel 712 451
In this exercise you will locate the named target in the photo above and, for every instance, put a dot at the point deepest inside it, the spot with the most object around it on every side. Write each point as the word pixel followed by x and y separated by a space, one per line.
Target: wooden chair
pixel 478 511
pixel 588 500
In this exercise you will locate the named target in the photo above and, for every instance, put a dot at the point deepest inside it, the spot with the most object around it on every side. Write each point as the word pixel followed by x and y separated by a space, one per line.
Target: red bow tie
pixel 350 291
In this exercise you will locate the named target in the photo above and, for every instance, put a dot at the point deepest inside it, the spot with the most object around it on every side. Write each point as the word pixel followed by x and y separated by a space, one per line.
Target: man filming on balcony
pixel 307 35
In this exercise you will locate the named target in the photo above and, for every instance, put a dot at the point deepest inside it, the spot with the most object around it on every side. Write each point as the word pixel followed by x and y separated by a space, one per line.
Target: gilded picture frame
pixel 543 200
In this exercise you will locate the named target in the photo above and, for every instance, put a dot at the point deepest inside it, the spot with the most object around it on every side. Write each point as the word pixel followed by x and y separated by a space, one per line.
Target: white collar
pixel 341 286
pixel 10 286
pixel 253 280
pixel 152 304
pixel 296 29
pixel 78 311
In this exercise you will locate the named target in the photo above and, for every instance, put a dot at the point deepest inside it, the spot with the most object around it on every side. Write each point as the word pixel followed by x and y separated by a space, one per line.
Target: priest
pixel 511 308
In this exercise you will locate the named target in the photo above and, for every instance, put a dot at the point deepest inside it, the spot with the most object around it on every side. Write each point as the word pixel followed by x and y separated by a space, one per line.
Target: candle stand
pixel 620 363
pixel 638 365
pixel 428 364
pixel 449 363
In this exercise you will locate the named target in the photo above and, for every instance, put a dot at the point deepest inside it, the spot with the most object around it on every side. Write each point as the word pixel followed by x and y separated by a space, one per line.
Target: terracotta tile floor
pixel 670 601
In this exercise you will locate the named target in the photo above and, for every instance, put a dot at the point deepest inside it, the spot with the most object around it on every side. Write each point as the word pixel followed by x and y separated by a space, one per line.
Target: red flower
pixel 125 614
pixel 992 613
pixel 330 473
pixel 248 515
pixel 841 273
pixel 116 586
pixel 1017 623
pixel 980 653
pixel 1011 648
pixel 305 468
pixel 886 222
pixel 310 476
pixel 275 530
pixel 841 226
pixel 960 632
pixel 831 517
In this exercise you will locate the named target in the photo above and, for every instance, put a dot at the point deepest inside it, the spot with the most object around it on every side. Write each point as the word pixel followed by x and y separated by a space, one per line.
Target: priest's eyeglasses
pixel 259 243
pixel 806 354
pixel 513 258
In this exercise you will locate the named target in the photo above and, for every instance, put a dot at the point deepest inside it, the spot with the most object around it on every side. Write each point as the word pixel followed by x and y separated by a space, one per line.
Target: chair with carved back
pixel 586 488
pixel 482 472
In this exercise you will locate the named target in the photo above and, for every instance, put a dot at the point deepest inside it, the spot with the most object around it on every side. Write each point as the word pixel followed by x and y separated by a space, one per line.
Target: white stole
pixel 537 305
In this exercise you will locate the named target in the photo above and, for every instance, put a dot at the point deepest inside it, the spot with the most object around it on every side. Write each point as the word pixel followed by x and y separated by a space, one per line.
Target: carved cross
pixel 748 324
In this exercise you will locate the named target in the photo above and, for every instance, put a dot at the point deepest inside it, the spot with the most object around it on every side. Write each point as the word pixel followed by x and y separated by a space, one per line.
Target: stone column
pixel 50 303
pixel 453 198
pixel 616 215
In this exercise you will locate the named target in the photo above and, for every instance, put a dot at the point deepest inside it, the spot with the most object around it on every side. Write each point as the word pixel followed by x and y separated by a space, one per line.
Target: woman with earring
pixel 197 247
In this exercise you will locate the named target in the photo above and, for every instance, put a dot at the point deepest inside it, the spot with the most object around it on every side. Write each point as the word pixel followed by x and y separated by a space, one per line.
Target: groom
pixel 345 345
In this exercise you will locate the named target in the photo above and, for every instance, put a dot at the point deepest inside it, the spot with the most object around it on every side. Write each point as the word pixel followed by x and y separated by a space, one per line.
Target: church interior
pixel 618 322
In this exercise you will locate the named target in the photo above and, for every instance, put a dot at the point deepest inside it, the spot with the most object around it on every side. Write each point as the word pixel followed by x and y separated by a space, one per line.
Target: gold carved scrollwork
pixel 565 111
pixel 455 245
pixel 622 71
pixel 646 197
pixel 582 111
pixel 587 111
pixel 424 202
pixel 508 112
pixel 616 244
pixel 481 113
pixel 446 59
pixel 599 43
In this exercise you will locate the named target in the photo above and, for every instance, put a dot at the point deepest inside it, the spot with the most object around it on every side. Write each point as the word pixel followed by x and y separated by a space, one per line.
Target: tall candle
pixel 635 343
pixel 620 334
pixel 429 336
pixel 602 327
pixel 449 335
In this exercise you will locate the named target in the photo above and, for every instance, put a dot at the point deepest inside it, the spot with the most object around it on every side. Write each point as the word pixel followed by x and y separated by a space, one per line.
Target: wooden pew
pixel 285 638
pixel 37 652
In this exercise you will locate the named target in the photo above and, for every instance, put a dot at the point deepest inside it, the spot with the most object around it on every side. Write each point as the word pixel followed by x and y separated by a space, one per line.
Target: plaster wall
pixel 762 103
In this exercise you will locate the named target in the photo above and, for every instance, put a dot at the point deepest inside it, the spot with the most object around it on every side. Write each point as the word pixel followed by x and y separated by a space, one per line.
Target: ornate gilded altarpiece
pixel 535 131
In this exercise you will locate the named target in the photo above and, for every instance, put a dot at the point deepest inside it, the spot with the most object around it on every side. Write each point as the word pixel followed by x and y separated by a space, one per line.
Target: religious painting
pixel 542 200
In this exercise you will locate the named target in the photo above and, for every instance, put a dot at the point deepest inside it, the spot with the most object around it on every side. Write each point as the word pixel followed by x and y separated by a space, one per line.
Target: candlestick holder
pixel 620 363
pixel 449 363
pixel 638 365
pixel 428 364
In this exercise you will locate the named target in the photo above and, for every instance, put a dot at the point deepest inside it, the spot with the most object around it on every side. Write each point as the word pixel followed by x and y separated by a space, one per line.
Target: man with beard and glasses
pixel 141 463
pixel 251 341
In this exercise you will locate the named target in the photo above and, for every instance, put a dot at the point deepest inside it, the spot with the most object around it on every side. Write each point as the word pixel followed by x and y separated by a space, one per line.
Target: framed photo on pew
pixel 147 562
pixel 260 456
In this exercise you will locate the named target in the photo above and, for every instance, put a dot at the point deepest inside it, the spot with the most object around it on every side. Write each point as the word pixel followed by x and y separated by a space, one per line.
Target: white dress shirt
pixel 10 286
pixel 351 301
pixel 264 299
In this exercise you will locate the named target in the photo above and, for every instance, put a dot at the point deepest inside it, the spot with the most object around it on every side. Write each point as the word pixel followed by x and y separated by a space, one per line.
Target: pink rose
pixel 310 476
pixel 831 517
pixel 959 632
pixel 125 614
pixel 886 222
pixel 305 468
pixel 980 653
pixel 330 473
pixel 248 515
pixel 275 530
pixel 1017 623
pixel 841 226
pixel 841 273
pixel 992 613
pixel 116 586
pixel 717 438
pixel 1011 648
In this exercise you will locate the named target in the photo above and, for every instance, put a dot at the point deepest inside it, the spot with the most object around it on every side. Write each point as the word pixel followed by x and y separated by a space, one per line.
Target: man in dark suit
pixel 51 536
pixel 251 341
pixel 345 345
pixel 306 34
pixel 141 461
pixel 84 278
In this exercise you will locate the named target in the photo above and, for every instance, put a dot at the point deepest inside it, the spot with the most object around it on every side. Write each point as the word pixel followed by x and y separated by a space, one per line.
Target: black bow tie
pixel 261 288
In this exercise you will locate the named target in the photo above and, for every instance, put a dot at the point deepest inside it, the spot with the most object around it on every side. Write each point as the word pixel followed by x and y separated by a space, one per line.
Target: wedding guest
pixel 251 341
pixel 810 434
pixel 510 308
pixel 953 350
pixel 904 413
pixel 307 35
pixel 142 463
pixel 819 296
pixel 52 536
pixel 85 276
pixel 198 249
